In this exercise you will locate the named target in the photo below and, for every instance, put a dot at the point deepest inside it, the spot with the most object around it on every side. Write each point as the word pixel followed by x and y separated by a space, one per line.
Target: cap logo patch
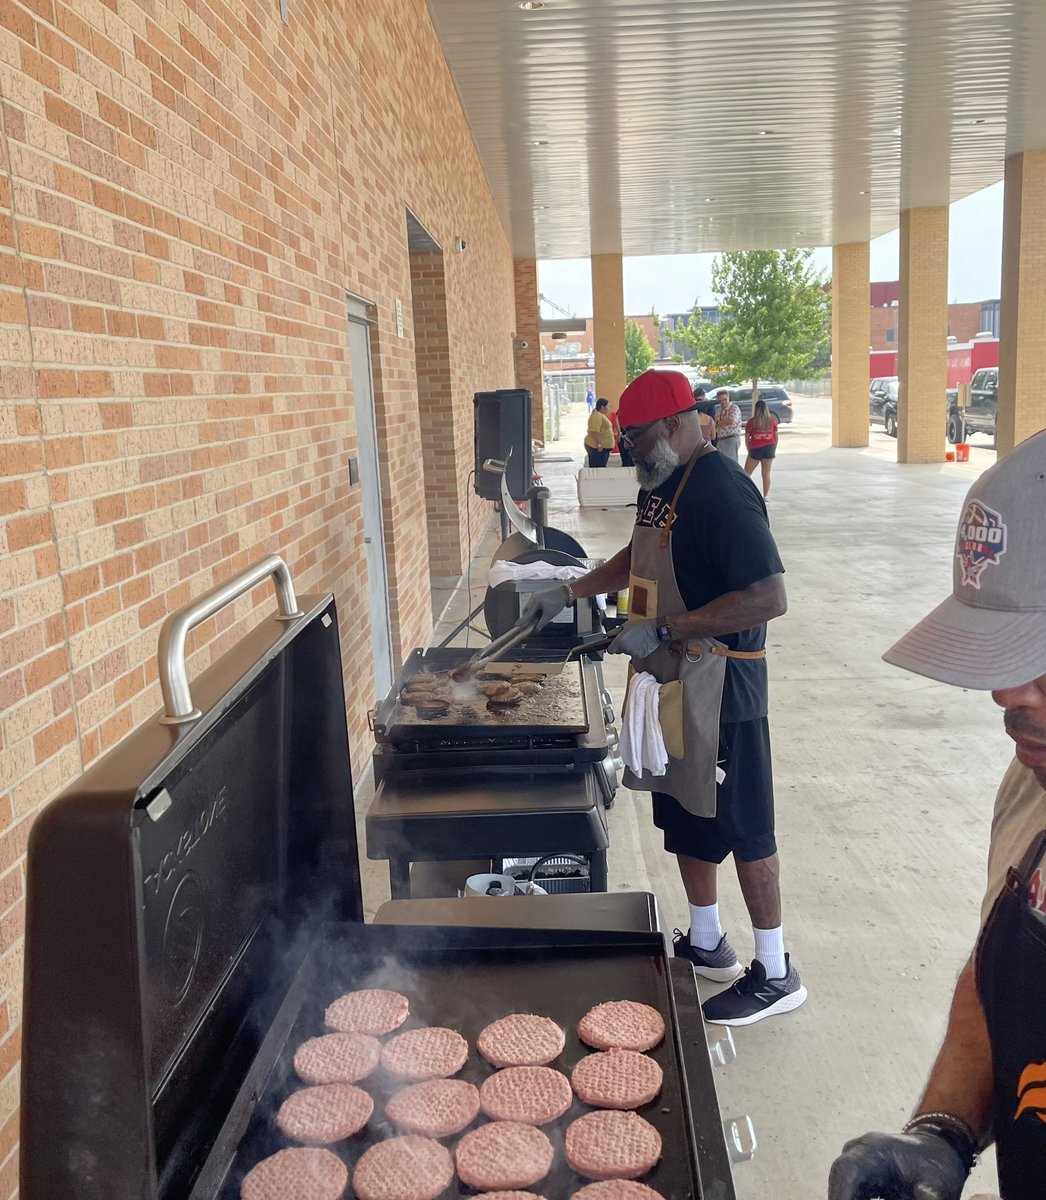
pixel 982 541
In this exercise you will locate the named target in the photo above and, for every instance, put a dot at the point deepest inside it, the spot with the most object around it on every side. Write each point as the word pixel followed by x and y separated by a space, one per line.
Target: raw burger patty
pixel 612 1145
pixel 616 1189
pixel 373 1010
pixel 431 1053
pixel 325 1114
pixel 533 1095
pixel 617 1079
pixel 521 1040
pixel 435 1108
pixel 503 1155
pixel 337 1058
pixel 298 1174
pixel 622 1025
pixel 403 1168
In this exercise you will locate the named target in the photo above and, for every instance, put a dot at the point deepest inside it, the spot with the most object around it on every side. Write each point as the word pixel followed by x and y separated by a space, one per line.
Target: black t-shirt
pixel 721 542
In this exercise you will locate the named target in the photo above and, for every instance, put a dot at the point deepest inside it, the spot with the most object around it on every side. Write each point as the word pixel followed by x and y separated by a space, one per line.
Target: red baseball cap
pixel 653 395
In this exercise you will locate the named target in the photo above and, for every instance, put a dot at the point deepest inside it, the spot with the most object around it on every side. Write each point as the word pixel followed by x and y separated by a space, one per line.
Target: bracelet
pixel 569 589
pixel 951 1129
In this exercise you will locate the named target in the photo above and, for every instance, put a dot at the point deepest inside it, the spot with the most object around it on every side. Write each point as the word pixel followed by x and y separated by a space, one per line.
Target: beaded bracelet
pixel 951 1129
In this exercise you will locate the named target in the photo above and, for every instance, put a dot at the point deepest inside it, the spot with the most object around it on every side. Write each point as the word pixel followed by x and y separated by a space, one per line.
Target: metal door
pixel 370 485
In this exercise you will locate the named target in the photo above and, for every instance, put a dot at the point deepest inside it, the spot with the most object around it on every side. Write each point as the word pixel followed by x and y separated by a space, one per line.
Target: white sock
pixel 705 930
pixel 770 951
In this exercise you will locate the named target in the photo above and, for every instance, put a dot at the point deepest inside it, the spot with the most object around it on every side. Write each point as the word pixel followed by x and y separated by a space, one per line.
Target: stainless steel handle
pixel 721 1046
pixel 174 681
pixel 741 1142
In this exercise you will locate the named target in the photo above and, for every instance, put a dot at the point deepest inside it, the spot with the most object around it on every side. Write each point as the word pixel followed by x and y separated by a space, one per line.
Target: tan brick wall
pixel 882 322
pixel 1022 328
pixel 529 371
pixel 850 318
pixel 922 359
pixel 187 192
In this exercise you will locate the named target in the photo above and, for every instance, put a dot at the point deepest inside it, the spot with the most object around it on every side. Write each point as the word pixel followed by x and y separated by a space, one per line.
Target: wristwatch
pixel 664 632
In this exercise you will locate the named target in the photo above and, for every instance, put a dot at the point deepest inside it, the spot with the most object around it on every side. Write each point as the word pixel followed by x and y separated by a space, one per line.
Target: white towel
pixel 503 571
pixel 642 743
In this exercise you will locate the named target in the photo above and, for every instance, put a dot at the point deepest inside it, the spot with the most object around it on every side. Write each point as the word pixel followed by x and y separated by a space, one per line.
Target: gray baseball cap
pixel 991 631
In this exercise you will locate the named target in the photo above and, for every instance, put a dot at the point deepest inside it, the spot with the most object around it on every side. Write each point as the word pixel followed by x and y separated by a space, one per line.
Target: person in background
pixel 590 399
pixel 761 442
pixel 599 440
pixel 706 409
pixel 727 425
pixel 989 1081
pixel 623 448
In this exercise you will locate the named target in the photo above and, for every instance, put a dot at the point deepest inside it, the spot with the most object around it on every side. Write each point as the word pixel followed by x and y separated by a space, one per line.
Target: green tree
pixel 639 354
pixel 773 317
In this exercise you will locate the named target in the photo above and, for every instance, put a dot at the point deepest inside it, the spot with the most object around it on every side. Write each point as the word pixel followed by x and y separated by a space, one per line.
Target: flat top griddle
pixel 560 707
pixel 464 979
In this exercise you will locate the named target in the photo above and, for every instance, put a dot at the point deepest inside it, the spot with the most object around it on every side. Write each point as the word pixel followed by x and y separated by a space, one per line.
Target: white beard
pixel 655 467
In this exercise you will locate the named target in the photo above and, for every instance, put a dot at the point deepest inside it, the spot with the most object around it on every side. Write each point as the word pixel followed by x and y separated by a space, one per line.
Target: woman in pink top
pixel 761 442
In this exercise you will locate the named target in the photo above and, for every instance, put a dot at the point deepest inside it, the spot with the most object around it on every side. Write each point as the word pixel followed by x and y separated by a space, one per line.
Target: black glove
pixel 897 1166
pixel 544 605
pixel 637 639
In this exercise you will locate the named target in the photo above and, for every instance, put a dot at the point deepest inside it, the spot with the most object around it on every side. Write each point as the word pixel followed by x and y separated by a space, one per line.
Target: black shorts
pixel 744 820
pixel 762 452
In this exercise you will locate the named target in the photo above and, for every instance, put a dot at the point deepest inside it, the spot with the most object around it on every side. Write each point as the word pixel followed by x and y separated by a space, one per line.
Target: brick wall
pixel 187 192
pixel 529 372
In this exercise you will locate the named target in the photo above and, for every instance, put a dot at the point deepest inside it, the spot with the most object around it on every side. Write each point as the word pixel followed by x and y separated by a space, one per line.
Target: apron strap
pixel 679 491
pixel 678 647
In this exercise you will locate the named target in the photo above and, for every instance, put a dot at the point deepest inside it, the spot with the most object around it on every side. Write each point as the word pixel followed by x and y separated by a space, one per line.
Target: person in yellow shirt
pixel 599 440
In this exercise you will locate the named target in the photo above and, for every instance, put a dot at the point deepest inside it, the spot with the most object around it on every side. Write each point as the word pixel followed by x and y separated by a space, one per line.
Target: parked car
pixel 778 400
pixel 882 403
pixel 979 415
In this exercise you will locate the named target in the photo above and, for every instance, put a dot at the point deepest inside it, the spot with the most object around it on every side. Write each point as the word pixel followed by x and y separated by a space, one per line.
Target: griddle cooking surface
pixel 466 988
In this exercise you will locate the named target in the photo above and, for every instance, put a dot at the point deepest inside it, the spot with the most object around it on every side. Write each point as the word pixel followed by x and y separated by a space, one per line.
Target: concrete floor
pixel 885 784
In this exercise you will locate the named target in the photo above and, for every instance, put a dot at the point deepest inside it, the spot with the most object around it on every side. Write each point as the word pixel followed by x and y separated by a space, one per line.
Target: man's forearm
pixel 961 1080
pixel 733 611
pixel 610 577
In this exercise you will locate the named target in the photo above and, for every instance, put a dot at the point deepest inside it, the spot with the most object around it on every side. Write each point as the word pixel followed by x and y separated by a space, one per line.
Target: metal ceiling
pixel 679 126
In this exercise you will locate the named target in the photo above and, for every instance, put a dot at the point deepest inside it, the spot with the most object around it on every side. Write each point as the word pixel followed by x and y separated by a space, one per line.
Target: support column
pixel 1022 327
pixel 922 335
pixel 527 358
pixel 851 332
pixel 608 326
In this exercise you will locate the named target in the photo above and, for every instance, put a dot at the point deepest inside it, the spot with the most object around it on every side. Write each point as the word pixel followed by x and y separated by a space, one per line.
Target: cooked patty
pixel 521 1040
pixel 501 687
pixel 371 1010
pixel 326 1113
pixel 621 1025
pixel 616 1189
pixel 298 1174
pixel 617 1079
pixel 506 699
pixel 432 708
pixel 403 1168
pixel 526 687
pixel 533 1095
pixel 612 1145
pixel 535 678
pixel 503 1155
pixel 431 1053
pixel 337 1058
pixel 508 1196
pixel 435 1107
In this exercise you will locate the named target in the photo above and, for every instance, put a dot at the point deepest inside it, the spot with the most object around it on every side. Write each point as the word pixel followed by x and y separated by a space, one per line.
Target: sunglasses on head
pixel 634 432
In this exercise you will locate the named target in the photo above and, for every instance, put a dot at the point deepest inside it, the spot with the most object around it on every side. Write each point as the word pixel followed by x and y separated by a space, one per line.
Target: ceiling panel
pixel 671 127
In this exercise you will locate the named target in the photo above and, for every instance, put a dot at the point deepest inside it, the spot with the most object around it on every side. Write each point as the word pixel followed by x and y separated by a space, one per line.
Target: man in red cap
pixel 704 577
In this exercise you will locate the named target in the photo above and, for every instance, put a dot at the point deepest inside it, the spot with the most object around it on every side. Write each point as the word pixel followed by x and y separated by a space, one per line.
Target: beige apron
pixel 691 673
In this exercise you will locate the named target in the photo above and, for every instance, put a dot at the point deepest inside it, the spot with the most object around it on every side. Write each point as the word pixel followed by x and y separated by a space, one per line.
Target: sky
pixel 671 283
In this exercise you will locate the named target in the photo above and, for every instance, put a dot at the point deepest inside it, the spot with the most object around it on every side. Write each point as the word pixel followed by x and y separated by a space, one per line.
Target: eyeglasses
pixel 633 433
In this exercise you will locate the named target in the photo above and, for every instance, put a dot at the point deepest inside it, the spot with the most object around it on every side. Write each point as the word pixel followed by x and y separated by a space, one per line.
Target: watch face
pixel 664 634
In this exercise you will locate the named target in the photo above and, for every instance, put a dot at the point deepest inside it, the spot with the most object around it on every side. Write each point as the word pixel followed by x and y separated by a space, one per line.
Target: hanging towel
pixel 642 744
pixel 504 571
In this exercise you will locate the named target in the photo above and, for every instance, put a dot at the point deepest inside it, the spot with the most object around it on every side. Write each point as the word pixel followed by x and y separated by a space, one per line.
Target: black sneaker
pixel 755 997
pixel 719 964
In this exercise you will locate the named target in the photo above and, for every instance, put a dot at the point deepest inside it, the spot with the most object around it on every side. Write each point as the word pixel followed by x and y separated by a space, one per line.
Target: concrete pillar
pixel 608 326
pixel 851 331
pixel 922 335
pixel 1022 329
pixel 529 369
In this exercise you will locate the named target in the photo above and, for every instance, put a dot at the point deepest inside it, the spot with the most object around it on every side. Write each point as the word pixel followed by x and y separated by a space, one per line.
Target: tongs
pixel 518 633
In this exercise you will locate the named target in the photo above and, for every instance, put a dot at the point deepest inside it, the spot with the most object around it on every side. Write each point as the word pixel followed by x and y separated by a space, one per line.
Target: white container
pixel 490 885
pixel 606 487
